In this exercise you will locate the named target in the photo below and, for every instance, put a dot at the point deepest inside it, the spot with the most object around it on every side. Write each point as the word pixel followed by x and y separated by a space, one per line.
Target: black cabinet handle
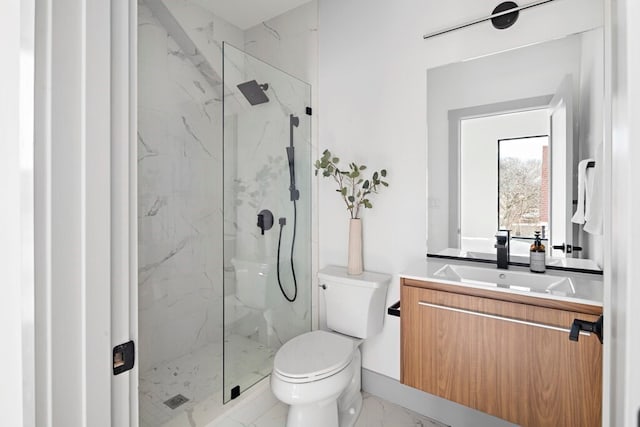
pixel 583 325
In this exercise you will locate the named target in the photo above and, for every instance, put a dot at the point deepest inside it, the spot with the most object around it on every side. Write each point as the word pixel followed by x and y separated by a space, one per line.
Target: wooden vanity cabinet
pixel 525 374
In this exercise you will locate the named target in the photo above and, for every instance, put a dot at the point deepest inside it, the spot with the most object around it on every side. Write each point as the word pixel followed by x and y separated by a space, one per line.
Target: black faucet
pixel 503 238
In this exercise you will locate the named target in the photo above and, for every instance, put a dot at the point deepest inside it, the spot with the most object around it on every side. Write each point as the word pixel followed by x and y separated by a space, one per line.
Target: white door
pixel 79 275
pixel 561 140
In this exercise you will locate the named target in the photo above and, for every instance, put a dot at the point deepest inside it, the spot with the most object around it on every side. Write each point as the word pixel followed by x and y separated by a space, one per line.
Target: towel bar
pixel 394 310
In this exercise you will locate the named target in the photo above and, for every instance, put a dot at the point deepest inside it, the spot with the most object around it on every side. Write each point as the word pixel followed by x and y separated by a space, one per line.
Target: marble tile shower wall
pixel 262 177
pixel 181 263
pixel 289 42
pixel 180 199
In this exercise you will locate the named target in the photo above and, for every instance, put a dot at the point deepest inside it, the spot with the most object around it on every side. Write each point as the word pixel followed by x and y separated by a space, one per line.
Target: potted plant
pixel 355 191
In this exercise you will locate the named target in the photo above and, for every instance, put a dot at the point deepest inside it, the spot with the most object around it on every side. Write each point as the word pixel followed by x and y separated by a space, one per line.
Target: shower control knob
pixel 265 220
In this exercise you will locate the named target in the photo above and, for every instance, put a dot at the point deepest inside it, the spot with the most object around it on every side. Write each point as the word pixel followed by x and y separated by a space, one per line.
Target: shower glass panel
pixel 267 216
pixel 180 239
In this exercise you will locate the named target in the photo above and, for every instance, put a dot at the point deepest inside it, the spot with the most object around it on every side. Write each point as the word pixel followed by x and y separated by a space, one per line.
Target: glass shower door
pixel 267 215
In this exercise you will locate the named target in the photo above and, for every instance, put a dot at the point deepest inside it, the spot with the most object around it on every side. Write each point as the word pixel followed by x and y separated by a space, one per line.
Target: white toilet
pixel 318 373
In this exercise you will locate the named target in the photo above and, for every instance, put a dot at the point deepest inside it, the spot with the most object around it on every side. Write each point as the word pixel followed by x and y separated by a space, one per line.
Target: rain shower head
pixel 254 92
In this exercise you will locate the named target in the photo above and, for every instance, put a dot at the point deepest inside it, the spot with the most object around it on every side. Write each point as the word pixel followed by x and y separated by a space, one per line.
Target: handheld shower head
pixel 294 121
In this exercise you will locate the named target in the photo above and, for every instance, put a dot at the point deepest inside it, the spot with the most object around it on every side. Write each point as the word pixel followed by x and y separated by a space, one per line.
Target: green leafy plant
pixel 352 186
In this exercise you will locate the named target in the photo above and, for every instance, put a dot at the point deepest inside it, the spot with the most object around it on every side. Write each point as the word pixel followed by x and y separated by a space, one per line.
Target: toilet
pixel 318 373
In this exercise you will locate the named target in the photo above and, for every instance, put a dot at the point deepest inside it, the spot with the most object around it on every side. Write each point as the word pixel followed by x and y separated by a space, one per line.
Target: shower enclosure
pixel 267 218
pixel 224 164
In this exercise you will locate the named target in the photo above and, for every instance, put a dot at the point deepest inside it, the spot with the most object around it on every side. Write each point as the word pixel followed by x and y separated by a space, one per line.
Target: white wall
pixel 372 81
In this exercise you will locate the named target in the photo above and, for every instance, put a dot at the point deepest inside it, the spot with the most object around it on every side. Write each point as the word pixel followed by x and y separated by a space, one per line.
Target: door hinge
pixel 124 356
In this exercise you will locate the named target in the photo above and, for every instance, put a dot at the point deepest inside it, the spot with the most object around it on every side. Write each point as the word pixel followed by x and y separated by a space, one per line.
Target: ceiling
pixel 248 13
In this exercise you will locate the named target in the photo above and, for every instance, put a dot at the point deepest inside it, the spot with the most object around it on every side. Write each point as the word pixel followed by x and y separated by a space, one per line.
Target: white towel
pixel 593 210
pixel 583 192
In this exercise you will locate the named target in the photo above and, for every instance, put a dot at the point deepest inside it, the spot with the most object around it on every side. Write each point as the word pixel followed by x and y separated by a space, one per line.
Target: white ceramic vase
pixel 354 264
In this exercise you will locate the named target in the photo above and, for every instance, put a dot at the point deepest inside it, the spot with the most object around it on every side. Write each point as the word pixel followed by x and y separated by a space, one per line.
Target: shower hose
pixel 293 242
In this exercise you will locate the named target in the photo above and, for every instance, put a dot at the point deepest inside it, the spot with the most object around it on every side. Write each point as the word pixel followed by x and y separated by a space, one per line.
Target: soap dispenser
pixel 537 255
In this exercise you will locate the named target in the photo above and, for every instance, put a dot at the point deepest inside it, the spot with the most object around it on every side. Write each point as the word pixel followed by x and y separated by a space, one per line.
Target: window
pixel 523 185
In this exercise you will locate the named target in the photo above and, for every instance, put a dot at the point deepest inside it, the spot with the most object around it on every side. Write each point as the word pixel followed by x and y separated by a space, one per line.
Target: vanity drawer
pixel 511 360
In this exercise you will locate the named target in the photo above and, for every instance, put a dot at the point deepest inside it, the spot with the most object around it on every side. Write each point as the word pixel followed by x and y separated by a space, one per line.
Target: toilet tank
pixel 251 282
pixel 355 305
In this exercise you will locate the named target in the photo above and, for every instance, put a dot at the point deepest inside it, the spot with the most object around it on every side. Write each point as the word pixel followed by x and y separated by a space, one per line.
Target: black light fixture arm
pixel 493 16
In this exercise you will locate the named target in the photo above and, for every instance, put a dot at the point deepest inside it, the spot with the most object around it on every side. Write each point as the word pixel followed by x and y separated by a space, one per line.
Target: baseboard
pixel 431 406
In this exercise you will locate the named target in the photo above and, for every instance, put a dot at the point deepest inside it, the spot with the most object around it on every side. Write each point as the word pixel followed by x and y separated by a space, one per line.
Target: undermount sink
pixel 516 280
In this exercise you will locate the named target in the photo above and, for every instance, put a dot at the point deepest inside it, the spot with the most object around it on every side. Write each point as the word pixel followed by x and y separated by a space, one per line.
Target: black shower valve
pixel 265 220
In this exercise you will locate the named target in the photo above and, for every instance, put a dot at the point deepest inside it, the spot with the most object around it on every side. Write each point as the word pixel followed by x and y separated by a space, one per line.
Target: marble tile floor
pixel 376 412
pixel 198 376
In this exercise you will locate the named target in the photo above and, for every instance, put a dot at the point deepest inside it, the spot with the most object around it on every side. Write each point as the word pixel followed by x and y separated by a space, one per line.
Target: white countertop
pixel 588 287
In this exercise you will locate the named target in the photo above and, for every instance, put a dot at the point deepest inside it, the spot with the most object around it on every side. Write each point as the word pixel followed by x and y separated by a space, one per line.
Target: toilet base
pixel 326 414
pixel 349 416
pixel 323 414
pixel 350 401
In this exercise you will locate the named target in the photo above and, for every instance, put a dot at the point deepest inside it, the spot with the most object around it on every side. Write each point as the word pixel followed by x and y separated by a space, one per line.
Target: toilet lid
pixel 313 355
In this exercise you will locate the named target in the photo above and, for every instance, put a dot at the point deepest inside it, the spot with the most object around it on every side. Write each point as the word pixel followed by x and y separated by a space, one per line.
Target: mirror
pixel 509 136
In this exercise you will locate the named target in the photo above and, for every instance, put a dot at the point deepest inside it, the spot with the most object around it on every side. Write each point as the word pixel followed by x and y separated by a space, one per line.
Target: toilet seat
pixel 313 356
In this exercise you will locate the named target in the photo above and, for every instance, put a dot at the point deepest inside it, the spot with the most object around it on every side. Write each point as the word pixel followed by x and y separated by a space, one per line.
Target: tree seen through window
pixel 523 185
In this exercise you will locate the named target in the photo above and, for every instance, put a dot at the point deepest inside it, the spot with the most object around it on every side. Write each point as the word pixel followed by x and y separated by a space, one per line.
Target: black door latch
pixel 583 325
pixel 124 356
